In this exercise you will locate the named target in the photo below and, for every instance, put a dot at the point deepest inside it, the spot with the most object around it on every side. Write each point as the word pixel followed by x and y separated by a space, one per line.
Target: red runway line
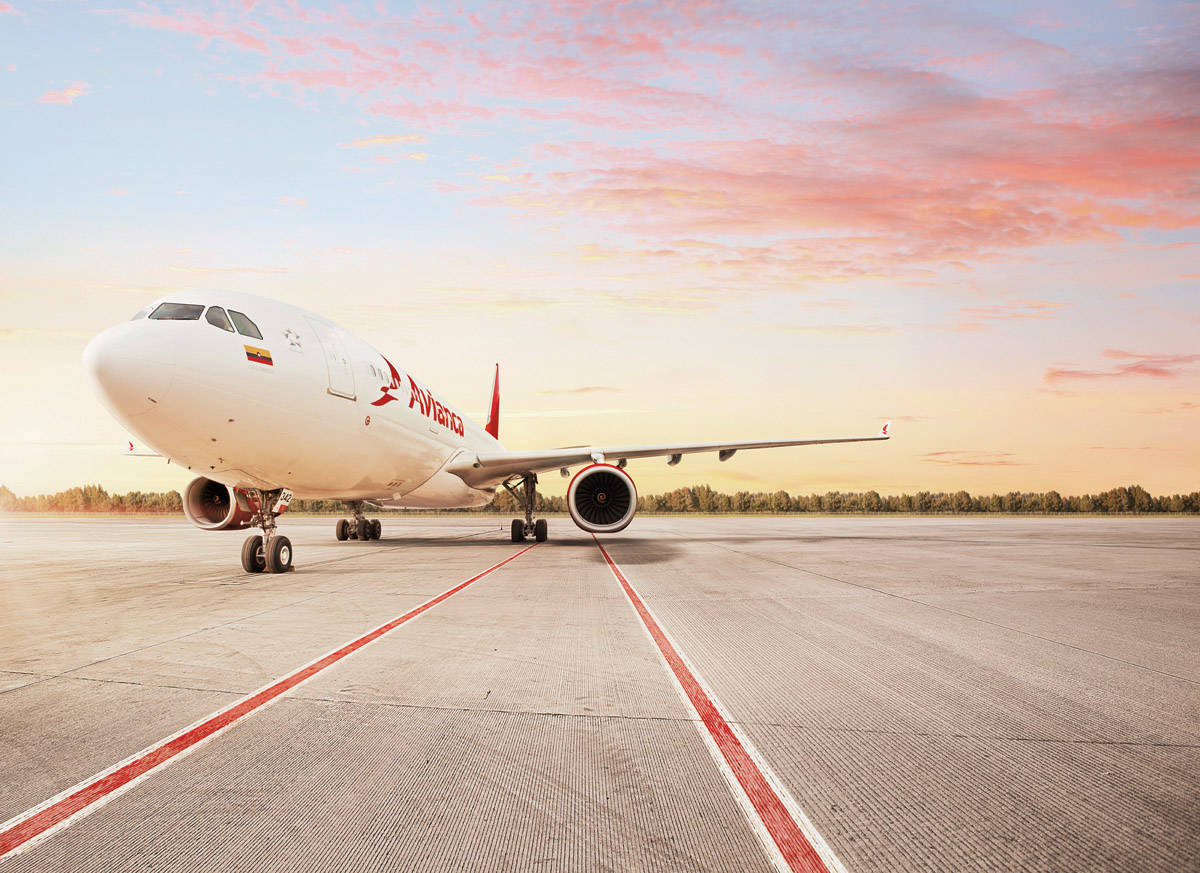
pixel 18 832
pixel 797 850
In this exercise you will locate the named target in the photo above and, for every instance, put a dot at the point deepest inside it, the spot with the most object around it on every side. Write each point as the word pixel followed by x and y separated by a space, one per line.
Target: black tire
pixel 343 529
pixel 253 559
pixel 518 531
pixel 541 530
pixel 279 554
pixel 362 529
pixel 376 529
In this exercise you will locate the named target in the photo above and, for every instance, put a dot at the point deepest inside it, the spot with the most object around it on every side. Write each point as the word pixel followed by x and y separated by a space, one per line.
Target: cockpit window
pixel 244 326
pixel 216 315
pixel 177 312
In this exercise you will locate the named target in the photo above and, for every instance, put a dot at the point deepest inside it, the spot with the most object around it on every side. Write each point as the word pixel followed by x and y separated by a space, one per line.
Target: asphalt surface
pixel 935 694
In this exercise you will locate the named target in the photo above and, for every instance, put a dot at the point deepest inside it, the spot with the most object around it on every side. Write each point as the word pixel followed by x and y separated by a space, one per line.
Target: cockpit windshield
pixel 177 312
pixel 244 326
pixel 216 315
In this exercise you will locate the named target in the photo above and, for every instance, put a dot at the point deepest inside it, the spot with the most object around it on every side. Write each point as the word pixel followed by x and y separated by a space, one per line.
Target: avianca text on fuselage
pixel 433 408
pixel 430 406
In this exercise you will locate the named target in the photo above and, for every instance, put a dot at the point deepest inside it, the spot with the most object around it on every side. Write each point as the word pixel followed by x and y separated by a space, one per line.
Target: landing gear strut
pixel 359 527
pixel 526 498
pixel 271 551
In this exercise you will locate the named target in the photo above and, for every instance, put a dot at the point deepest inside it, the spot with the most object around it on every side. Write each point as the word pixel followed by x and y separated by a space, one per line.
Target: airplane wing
pixel 484 469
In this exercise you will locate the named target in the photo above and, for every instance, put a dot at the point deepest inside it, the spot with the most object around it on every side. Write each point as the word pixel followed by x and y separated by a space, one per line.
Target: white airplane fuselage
pixel 309 407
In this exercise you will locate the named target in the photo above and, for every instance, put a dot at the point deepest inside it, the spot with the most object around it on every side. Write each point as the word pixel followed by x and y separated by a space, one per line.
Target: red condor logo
pixel 391 386
pixel 419 398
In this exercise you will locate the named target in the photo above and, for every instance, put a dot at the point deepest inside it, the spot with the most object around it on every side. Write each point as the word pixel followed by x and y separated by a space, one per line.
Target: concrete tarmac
pixel 952 694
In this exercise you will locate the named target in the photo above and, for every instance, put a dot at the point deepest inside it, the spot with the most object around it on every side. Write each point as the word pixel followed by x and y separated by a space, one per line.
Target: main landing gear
pixel 359 527
pixel 526 498
pixel 271 551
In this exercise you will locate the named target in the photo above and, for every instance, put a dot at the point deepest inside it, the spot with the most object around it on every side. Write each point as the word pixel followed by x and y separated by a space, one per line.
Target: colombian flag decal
pixel 258 356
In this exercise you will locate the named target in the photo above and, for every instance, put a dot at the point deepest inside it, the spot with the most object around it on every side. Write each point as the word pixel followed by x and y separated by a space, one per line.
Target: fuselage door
pixel 337 359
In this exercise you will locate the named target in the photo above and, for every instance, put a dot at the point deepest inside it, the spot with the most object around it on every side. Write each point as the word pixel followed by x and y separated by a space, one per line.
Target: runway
pixel 910 694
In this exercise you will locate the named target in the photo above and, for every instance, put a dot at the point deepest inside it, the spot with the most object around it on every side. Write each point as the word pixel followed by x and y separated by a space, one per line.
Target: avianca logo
pixel 433 408
pixel 391 386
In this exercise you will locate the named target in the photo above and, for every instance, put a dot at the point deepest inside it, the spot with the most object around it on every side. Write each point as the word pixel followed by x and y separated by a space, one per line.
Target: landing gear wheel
pixel 343 529
pixel 279 554
pixel 376 529
pixel 541 530
pixel 253 559
pixel 363 529
pixel 518 531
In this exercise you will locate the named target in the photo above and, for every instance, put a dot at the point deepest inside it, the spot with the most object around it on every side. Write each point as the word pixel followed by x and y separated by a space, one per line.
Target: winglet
pixel 885 431
pixel 493 421
pixel 134 452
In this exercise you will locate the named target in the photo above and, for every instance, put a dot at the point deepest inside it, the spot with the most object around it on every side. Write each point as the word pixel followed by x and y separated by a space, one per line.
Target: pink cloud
pixel 971 319
pixel 1183 406
pixel 431 112
pixel 384 140
pixel 1153 366
pixel 7 9
pixel 973 458
pixel 66 95
pixel 190 22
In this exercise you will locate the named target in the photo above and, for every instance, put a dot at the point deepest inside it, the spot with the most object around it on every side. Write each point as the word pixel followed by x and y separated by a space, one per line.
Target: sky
pixel 668 221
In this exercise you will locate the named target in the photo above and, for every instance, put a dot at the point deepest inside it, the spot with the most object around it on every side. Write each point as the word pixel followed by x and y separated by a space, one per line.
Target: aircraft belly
pixel 442 491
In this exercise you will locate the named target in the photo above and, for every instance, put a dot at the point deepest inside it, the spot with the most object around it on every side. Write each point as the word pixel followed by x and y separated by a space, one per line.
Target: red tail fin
pixel 493 422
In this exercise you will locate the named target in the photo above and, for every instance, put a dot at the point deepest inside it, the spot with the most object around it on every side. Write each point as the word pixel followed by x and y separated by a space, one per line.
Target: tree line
pixel 1130 500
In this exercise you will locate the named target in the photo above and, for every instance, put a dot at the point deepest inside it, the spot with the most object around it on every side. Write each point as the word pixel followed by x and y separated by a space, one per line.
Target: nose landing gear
pixel 360 527
pixel 527 499
pixel 271 551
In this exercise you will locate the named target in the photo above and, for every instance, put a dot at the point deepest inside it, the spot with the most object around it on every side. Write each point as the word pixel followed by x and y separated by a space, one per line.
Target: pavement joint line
pixel 313 596
pixel 788 836
pixel 39 822
pixel 964 615
pixel 600 716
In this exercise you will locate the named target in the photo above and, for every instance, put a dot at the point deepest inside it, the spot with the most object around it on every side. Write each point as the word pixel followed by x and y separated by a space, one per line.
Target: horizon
pixel 709 221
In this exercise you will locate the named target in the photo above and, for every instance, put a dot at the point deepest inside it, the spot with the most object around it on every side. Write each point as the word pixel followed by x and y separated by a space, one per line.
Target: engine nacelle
pixel 602 499
pixel 212 506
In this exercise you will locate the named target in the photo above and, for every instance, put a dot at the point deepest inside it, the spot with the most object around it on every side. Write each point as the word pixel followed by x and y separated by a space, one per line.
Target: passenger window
pixel 216 315
pixel 177 312
pixel 244 326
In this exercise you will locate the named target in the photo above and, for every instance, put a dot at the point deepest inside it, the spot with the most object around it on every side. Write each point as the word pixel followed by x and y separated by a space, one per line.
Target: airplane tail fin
pixel 493 422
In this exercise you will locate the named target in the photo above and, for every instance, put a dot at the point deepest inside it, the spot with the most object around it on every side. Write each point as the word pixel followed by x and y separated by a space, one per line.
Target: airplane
pixel 267 402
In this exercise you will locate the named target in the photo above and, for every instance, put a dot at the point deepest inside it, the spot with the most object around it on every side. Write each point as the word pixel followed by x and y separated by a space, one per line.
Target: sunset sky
pixel 666 220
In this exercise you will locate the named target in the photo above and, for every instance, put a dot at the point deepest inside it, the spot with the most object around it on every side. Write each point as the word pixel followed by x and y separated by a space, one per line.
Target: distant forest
pixel 1132 500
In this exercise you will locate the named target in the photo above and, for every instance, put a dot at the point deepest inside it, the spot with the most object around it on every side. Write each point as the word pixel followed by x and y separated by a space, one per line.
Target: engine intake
pixel 212 506
pixel 602 499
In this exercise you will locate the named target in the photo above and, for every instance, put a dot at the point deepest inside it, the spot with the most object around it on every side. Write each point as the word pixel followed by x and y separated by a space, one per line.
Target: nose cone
pixel 132 367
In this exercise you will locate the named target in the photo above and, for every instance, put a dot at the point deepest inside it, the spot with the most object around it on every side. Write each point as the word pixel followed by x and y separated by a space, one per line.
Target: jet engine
pixel 602 499
pixel 212 506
